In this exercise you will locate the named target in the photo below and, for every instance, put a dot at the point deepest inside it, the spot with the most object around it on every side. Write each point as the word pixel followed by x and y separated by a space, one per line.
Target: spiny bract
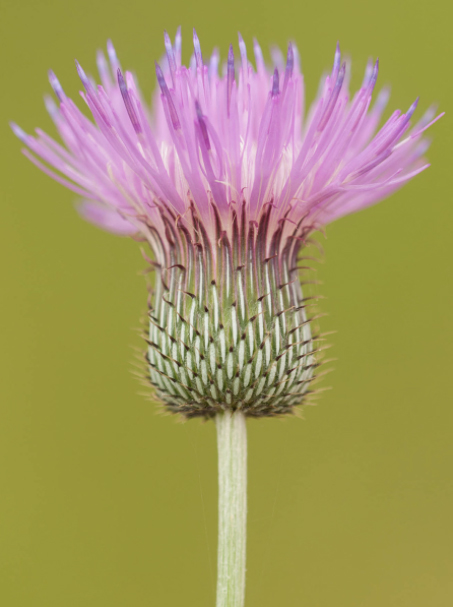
pixel 229 326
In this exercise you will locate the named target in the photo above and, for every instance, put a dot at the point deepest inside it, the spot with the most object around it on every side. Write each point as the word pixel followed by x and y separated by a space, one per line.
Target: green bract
pixel 228 322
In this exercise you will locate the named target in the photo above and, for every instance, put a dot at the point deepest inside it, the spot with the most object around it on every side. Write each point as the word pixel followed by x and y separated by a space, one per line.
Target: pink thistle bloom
pixel 225 178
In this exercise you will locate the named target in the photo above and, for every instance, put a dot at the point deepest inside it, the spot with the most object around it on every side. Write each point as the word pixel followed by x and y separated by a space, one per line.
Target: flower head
pixel 225 178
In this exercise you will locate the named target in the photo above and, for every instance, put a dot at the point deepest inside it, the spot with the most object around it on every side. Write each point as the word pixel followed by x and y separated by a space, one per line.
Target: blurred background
pixel 105 503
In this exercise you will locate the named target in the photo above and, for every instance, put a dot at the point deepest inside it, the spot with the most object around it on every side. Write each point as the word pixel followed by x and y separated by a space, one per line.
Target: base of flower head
pixel 228 320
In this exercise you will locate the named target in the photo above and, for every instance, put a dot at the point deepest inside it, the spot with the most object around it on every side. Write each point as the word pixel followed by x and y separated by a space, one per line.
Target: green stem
pixel 232 449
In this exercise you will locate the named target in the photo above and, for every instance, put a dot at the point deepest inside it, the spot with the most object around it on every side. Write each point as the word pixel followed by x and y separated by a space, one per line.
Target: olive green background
pixel 105 503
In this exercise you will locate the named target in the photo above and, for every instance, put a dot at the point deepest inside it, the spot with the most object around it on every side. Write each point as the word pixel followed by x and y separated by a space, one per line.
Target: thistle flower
pixel 226 178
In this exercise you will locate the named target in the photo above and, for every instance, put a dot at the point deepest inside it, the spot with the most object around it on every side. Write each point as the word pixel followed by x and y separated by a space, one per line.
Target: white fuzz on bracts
pixel 228 320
